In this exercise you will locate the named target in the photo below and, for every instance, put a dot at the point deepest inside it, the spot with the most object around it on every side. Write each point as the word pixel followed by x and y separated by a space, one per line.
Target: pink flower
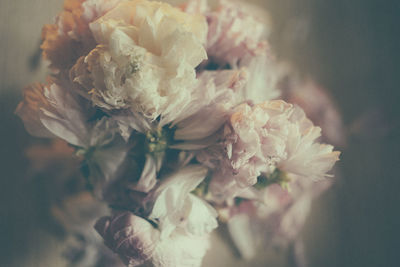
pixel 237 38
pixel 233 34
pixel 262 138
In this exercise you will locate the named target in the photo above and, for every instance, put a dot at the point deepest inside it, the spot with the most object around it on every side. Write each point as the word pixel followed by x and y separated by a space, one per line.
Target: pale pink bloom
pixel 69 38
pixel 233 34
pixel 237 37
pixel 258 139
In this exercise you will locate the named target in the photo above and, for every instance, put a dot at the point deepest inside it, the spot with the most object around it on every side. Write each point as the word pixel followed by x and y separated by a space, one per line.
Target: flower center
pixel 277 177
pixel 157 141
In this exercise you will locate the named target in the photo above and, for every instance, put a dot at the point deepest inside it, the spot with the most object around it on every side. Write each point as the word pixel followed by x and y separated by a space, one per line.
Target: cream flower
pixel 176 208
pixel 145 59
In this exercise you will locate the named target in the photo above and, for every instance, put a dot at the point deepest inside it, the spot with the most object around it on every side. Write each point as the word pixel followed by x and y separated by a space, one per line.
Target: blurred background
pixel 348 47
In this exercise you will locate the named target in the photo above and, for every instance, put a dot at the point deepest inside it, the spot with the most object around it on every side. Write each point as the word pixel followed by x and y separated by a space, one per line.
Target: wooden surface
pixel 350 47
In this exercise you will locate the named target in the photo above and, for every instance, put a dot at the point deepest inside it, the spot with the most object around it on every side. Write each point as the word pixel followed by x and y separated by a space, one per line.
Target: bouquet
pixel 172 116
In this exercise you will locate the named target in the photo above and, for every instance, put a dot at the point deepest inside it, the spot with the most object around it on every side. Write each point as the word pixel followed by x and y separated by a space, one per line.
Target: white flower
pixel 145 59
pixel 176 208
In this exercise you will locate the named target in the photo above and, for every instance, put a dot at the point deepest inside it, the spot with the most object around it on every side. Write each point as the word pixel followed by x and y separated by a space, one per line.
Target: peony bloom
pixel 69 38
pixel 261 139
pixel 145 59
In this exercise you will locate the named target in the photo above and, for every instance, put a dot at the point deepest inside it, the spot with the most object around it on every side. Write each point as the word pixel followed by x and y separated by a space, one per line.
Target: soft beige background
pixel 350 47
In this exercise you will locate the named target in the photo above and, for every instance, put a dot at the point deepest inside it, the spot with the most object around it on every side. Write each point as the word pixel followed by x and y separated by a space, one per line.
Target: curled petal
pixel 131 237
pixel 149 174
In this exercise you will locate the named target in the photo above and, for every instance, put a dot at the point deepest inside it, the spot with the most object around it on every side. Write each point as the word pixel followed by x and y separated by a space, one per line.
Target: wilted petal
pixel 29 110
pixel 131 237
pixel 65 117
